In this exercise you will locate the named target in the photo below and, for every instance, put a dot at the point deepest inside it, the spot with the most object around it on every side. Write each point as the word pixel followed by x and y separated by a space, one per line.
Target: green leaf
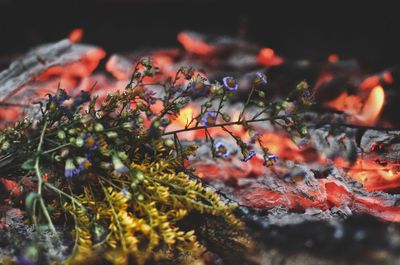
pixel 28 164
pixel 30 201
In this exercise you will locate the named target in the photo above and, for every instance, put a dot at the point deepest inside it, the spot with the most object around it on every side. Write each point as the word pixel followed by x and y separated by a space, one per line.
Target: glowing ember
pixel 372 175
pixel 333 58
pixel 375 80
pixel 195 45
pixel 267 57
pixel 350 104
pixel 76 35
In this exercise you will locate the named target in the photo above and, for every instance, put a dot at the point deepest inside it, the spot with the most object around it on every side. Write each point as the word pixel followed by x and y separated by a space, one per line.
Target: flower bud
pixel 165 122
pixel 123 156
pixel 105 165
pixel 169 142
pixel 134 185
pixel 156 124
pixel 141 106
pixel 260 104
pixel 79 142
pixel 127 125
pixel 61 135
pixel 5 146
pixel 208 104
pixel 226 117
pixel 112 135
pixel 99 127
pixel 71 131
pixel 304 131
pixel 139 175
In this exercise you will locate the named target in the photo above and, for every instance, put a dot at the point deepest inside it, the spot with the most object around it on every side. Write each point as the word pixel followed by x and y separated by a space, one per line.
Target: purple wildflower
pixel 199 86
pixel 90 141
pixel 221 150
pixel 230 83
pixel 209 118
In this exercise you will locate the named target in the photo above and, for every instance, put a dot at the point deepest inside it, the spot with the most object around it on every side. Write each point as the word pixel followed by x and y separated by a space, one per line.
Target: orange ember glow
pixel 350 104
pixel 186 115
pixel 333 58
pixel 375 80
pixel 363 114
pixel 76 35
pixel 387 77
pixel 195 45
pixel 370 82
pixel 267 57
pixel 372 175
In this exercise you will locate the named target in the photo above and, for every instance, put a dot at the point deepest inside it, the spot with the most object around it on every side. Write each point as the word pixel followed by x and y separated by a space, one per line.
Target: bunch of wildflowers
pixel 120 170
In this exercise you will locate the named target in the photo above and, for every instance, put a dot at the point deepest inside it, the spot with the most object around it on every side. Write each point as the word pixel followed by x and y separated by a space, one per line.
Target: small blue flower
pixel 90 141
pixel 249 155
pixel 119 167
pixel 230 83
pixel 70 169
pixel 261 78
pixel 221 150
pixel 209 118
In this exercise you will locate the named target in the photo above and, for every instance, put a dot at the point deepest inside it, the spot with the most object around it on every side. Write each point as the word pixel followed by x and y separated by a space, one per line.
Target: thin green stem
pixel 247 103
pixel 57 190
pixel 56 148
pixel 40 181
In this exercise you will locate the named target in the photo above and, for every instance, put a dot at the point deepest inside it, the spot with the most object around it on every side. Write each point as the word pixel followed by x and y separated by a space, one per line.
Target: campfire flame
pixel 362 114
pixel 372 107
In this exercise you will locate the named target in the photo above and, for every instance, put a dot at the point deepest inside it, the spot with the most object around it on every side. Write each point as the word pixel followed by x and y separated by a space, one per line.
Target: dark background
pixel 365 30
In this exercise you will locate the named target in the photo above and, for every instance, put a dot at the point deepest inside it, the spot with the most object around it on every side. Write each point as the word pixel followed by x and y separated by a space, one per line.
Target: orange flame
pixel 372 107
pixel 367 114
